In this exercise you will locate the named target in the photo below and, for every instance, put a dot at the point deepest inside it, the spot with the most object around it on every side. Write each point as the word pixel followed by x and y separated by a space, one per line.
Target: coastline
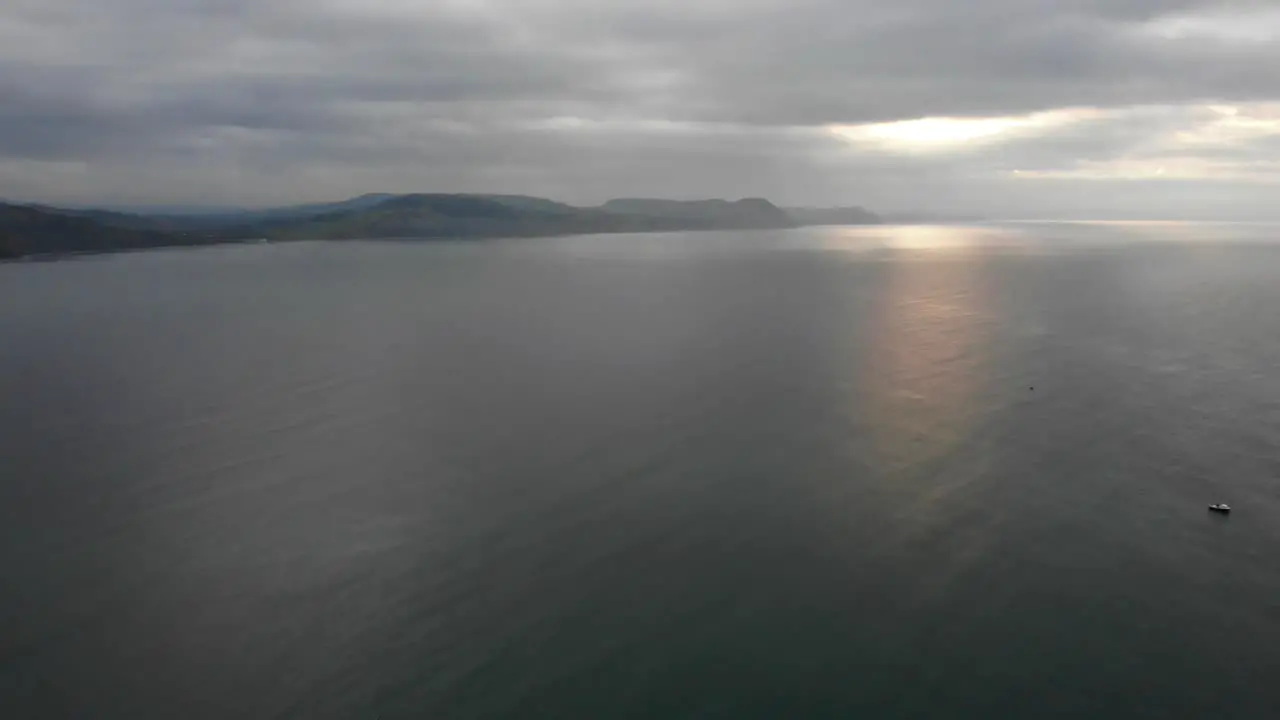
pixel 72 255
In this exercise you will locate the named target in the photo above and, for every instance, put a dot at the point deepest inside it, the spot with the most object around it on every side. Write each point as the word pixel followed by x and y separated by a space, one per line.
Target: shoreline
pixel 55 257
pixel 71 255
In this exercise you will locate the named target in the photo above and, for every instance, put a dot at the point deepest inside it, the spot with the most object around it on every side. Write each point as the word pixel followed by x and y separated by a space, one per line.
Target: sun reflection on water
pixel 926 351
pixel 940 238
pixel 923 388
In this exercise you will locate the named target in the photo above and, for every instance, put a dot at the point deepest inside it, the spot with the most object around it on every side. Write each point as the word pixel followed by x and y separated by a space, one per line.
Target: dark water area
pixel 881 472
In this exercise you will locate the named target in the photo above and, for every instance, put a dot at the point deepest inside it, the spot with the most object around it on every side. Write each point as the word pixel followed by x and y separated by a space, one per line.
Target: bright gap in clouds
pixel 1214 143
pixel 1259 24
pixel 1231 125
pixel 940 134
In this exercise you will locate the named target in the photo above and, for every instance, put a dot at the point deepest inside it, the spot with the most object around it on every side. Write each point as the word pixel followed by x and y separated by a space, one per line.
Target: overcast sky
pixel 1011 108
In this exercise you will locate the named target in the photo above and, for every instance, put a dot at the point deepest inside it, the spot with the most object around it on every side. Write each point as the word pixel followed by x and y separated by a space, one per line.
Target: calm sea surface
pixel 727 475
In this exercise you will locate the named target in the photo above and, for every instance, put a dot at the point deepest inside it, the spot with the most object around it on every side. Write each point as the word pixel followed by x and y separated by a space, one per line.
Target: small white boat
pixel 1221 507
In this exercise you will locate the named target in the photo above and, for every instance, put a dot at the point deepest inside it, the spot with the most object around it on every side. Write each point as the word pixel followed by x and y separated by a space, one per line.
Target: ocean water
pixel 895 472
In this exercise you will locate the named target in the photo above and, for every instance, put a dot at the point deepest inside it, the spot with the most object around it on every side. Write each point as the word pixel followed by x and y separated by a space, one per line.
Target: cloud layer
pixel 237 101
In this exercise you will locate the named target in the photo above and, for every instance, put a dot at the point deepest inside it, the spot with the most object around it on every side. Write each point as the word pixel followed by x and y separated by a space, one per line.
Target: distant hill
pixel 298 210
pixel 459 216
pixel 362 202
pixel 219 223
pixel 130 221
pixel 177 209
pixel 36 231
pixel 708 214
pixel 438 215
pixel 534 204
pixel 833 216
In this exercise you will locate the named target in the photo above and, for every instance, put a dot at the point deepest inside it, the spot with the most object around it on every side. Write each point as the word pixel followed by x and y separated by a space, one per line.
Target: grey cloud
pixel 280 100
pixel 1132 133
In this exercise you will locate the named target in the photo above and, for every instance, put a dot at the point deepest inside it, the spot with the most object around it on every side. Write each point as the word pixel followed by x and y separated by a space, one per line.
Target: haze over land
pixel 27 231
pixel 1004 108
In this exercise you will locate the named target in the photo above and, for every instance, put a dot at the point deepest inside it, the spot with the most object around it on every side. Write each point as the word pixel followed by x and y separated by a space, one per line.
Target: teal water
pixel 878 472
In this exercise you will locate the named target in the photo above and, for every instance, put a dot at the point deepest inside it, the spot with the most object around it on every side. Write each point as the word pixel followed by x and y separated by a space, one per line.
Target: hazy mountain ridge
pixel 463 216
pixel 218 222
pixel 34 230
pixel 742 214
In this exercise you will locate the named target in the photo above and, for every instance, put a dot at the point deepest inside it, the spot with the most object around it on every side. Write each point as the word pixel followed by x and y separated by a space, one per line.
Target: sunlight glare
pixel 931 134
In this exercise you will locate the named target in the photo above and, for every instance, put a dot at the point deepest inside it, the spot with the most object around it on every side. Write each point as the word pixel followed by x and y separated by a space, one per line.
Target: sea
pixel 873 472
